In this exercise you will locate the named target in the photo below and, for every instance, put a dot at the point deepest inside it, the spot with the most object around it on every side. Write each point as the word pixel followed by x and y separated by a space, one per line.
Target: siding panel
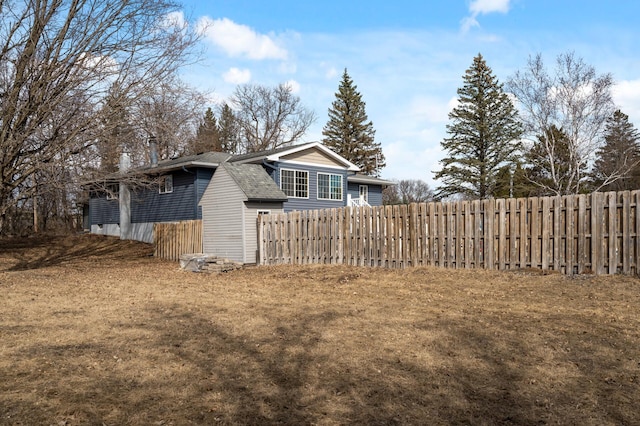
pixel 314 156
pixel 375 192
pixel 203 177
pixel 148 205
pixel 312 203
pixel 103 211
pixel 251 226
pixel 222 219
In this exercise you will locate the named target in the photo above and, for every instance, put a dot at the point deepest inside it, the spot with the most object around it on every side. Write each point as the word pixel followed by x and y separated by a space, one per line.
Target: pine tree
pixel 228 130
pixel 207 136
pixel 484 136
pixel 513 183
pixel 348 131
pixel 552 177
pixel 617 165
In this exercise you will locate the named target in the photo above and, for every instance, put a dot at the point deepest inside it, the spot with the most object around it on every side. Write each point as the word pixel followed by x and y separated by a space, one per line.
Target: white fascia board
pixel 349 165
pixel 286 163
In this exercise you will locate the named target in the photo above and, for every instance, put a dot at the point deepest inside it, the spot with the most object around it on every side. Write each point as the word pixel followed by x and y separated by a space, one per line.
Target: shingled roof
pixel 206 159
pixel 254 181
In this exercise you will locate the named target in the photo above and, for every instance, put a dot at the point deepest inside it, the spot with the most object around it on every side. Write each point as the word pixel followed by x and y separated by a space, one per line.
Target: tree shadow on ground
pixel 209 373
pixel 47 251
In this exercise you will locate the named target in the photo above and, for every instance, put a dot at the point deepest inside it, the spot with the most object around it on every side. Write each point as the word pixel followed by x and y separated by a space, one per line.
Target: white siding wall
pixel 251 226
pixel 222 217
pixel 142 232
pixel 112 229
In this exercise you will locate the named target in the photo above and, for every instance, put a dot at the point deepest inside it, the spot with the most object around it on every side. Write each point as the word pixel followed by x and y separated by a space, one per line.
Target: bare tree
pixel 575 100
pixel 171 113
pixel 269 117
pixel 408 191
pixel 59 60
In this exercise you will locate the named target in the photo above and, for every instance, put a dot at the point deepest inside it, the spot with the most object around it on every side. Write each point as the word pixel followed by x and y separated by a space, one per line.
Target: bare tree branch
pixel 269 118
pixel 576 101
pixel 59 60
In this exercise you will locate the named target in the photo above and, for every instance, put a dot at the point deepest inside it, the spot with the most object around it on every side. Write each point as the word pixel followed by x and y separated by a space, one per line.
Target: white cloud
pixel 287 68
pixel 478 7
pixel 237 76
pixel 429 109
pixel 294 85
pixel 331 73
pixel 239 40
pixel 404 161
pixel 174 19
pixel 482 7
pixel 626 95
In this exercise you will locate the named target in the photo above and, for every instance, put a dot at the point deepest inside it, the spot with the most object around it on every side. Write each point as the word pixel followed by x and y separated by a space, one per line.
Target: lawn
pixel 96 331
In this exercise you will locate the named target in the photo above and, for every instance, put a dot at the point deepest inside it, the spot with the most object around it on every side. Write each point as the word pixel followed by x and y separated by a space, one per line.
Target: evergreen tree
pixel 348 131
pixel 617 165
pixel 228 130
pixel 207 137
pixel 513 183
pixel 484 134
pixel 552 177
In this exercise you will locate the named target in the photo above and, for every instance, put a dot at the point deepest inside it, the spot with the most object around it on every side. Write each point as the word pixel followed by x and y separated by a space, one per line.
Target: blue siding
pixel 148 205
pixel 312 203
pixel 375 193
pixel 203 177
pixel 103 211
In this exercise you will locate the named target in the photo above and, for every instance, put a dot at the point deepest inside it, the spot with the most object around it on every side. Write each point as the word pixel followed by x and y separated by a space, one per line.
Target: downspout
pixel 274 168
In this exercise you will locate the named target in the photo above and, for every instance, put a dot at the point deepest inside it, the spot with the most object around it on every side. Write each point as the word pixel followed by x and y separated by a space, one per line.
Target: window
pixel 166 184
pixel 329 187
pixel 113 191
pixel 294 183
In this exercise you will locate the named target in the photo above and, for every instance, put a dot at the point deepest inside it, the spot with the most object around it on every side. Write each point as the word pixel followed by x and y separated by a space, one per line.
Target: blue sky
pixel 406 57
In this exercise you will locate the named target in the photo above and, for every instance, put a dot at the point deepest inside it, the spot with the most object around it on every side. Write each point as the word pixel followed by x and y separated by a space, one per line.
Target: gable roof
pixel 278 153
pixel 254 182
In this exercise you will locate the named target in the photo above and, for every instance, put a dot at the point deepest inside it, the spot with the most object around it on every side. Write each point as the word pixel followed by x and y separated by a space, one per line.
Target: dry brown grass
pixel 94 331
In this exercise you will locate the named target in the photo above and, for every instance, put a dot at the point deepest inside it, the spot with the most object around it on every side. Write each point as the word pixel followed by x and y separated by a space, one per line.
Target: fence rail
pixel 173 239
pixel 595 233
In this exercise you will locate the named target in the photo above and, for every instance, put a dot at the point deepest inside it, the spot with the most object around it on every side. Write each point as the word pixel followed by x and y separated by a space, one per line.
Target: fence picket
pixel 575 234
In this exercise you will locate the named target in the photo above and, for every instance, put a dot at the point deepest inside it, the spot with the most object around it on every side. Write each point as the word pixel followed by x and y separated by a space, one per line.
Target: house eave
pixel 349 165
pixel 179 166
pixel 370 180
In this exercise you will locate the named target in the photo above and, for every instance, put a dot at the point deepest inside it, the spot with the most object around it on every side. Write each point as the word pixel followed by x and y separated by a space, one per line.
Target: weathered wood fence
pixel 173 239
pixel 595 233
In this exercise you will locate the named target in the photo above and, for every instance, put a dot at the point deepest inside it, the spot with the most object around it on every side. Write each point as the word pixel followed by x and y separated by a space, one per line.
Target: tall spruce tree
pixel 484 136
pixel 228 130
pixel 207 136
pixel 348 131
pixel 617 165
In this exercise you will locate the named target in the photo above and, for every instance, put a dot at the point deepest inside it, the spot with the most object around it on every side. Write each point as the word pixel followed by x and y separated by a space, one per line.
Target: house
pixel 131 212
pixel 228 192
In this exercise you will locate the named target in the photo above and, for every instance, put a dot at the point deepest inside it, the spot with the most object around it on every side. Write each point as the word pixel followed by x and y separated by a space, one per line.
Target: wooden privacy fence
pixel 594 233
pixel 173 239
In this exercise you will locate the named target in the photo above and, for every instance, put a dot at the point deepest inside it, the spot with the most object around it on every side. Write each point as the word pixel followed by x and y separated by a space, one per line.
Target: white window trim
pixel 341 187
pixel 163 184
pixel 294 183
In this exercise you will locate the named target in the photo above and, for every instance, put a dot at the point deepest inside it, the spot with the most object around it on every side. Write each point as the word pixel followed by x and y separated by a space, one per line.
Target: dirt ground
pixel 96 331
